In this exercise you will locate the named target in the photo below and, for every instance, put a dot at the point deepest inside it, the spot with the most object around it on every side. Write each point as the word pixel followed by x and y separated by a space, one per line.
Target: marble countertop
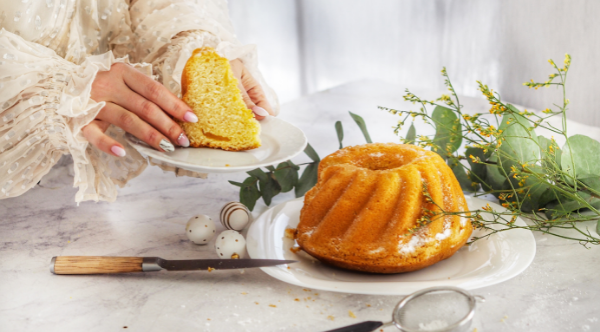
pixel 558 292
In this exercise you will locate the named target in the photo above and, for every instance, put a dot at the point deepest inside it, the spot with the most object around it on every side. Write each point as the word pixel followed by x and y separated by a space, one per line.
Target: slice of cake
pixel 210 89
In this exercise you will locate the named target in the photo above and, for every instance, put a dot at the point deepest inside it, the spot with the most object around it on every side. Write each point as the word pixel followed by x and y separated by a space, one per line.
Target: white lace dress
pixel 50 52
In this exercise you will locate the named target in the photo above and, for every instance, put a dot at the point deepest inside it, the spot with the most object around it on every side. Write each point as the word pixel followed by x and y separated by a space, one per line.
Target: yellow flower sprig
pixel 551 77
pixel 497 106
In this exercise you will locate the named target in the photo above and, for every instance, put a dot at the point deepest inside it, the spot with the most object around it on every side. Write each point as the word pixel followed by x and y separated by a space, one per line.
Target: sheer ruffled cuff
pixel 44 104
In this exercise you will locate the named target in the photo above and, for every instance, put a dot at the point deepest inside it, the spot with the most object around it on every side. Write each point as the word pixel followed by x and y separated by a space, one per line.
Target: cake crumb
pixel 295 249
pixel 368 305
pixel 272 306
pixel 351 314
pixel 208 319
pixel 244 293
pixel 316 294
pixel 306 290
pixel 289 268
pixel 290 233
pixel 330 317
pixel 256 303
pixel 235 256
pixel 297 300
pixel 475 330
pixel 226 165
pixel 210 269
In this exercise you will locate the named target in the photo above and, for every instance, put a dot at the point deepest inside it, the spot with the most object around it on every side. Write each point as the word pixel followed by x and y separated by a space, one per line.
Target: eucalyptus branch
pixel 530 175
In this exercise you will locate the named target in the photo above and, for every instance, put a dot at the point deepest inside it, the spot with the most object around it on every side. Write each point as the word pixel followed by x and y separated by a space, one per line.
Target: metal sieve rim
pixel 465 320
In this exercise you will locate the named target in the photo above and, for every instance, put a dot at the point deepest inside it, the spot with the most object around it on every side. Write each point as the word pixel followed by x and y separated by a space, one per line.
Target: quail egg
pixel 200 229
pixel 235 216
pixel 230 244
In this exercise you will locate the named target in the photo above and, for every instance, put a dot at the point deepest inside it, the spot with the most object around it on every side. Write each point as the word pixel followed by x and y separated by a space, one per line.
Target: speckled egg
pixel 200 229
pixel 235 216
pixel 230 244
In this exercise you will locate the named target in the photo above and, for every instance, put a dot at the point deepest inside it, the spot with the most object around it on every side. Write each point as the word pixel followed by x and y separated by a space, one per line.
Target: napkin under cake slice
pixel 210 89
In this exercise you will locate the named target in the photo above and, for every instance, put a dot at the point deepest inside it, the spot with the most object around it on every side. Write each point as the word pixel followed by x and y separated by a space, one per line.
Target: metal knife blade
pixel 157 263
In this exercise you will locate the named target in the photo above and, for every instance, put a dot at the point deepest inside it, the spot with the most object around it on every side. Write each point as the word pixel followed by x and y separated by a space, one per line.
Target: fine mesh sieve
pixel 438 309
pixel 435 309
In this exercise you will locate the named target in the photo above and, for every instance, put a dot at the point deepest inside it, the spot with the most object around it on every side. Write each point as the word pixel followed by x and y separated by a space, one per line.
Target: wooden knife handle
pixel 95 264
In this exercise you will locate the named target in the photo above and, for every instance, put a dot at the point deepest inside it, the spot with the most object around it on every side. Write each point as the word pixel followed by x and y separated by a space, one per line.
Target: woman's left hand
pixel 252 92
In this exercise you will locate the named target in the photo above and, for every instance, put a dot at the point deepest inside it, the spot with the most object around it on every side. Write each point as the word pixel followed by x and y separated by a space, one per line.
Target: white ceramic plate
pixel 280 141
pixel 486 262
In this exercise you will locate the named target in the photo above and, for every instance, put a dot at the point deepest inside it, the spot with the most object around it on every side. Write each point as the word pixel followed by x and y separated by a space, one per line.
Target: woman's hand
pixel 140 106
pixel 253 94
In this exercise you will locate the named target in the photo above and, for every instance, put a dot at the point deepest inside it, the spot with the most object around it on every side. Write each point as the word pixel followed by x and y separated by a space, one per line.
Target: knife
pixel 109 265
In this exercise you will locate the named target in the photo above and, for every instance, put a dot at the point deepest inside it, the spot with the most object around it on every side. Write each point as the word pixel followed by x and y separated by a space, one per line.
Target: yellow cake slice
pixel 210 90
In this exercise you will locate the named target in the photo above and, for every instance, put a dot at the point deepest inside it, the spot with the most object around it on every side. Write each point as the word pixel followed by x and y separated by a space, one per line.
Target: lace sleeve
pixel 167 31
pixel 44 104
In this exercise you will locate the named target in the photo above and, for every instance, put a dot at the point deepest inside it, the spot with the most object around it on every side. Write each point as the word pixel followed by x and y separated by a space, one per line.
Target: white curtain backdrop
pixel 311 45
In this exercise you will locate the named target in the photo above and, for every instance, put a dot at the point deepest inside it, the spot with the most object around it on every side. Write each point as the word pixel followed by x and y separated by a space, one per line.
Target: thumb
pixel 259 112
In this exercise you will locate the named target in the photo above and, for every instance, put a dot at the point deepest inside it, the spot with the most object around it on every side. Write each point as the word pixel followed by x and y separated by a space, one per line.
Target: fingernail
pixel 190 117
pixel 166 145
pixel 259 111
pixel 183 140
pixel 118 151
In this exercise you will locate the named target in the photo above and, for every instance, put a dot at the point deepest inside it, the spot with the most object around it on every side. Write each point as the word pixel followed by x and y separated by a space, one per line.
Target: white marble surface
pixel 559 292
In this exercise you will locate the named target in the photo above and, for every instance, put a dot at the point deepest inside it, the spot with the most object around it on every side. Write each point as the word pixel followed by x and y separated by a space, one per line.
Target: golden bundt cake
pixel 210 89
pixel 368 198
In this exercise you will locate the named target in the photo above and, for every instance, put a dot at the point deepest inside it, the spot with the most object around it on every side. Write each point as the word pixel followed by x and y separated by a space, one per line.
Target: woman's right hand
pixel 140 106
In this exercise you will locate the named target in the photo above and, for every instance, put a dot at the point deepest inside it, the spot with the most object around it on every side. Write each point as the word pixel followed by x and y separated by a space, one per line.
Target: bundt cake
pixel 209 88
pixel 363 214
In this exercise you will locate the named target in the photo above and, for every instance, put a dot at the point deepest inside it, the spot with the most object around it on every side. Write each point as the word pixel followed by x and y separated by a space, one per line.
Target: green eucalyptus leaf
pixel 269 188
pixel 448 131
pixel 582 155
pixel 249 193
pixel 598 227
pixel 495 178
pixel 551 153
pixel 270 168
pixel 258 173
pixel 238 184
pixel 519 142
pixel 308 179
pixel 478 171
pixel 592 182
pixel 311 153
pixel 362 125
pixel 287 176
pixel 339 129
pixel 569 205
pixel 411 135
pixel 463 179
pixel 534 193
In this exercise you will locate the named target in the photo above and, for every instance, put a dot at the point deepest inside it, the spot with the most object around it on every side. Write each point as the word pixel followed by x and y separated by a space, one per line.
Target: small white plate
pixel 486 262
pixel 280 142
